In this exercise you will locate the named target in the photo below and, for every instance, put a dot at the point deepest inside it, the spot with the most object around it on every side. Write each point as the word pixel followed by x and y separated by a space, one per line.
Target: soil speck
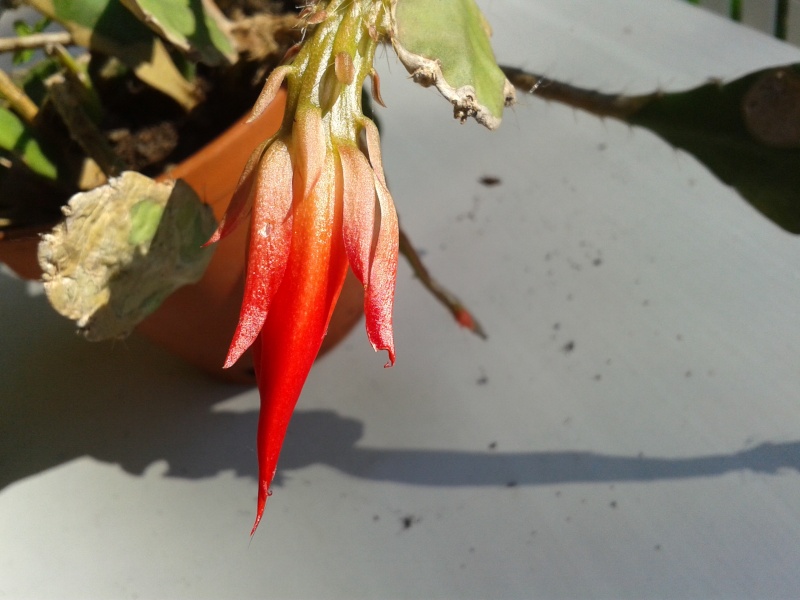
pixel 409 520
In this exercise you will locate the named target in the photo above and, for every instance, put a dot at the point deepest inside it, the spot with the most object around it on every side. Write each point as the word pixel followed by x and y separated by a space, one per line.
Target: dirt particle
pixel 490 180
pixel 409 520
pixel 613 504
pixel 493 446
pixel 568 347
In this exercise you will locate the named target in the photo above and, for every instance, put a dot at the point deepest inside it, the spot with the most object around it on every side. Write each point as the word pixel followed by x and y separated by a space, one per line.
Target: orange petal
pixel 270 241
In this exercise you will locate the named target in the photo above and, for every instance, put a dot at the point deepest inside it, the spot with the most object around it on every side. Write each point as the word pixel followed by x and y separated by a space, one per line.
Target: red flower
pixel 318 203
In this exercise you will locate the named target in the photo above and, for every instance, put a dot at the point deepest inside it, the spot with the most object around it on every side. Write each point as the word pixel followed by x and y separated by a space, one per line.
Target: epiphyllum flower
pixel 317 199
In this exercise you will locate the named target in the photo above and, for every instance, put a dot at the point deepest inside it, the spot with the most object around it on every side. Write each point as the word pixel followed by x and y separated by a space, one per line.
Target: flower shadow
pixel 323 437
pixel 63 399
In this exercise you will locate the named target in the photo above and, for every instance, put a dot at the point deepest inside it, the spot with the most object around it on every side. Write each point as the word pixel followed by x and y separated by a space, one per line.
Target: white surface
pixel 657 459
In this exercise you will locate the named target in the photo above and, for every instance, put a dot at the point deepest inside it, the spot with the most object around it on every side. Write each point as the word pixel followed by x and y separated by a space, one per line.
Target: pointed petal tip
pixel 263 493
pixel 213 239
pixel 251 320
pixel 262 503
pixel 270 90
pixel 232 358
pixel 390 351
pixel 255 525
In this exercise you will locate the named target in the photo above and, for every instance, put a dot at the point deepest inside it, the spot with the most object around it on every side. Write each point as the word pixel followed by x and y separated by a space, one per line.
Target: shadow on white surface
pixel 56 420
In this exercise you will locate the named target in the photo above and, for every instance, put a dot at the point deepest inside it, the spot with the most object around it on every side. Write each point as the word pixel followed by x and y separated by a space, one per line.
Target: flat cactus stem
pixel 617 106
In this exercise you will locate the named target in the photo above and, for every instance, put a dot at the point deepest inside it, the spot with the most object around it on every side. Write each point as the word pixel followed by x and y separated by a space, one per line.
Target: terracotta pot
pixel 197 321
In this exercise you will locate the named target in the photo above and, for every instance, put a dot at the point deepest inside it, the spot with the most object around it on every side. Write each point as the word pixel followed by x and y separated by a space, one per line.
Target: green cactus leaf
pixel 453 36
pixel 108 27
pixel 197 27
pixel 123 249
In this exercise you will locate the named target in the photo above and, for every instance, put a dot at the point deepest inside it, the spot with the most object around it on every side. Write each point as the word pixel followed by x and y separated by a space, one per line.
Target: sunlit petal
pixel 359 198
pixel 268 252
pixel 379 299
pixel 242 200
pixel 308 150
pixel 297 321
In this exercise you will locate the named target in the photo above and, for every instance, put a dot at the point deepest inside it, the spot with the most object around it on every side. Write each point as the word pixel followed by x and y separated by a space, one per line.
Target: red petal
pixel 241 202
pixel 358 226
pixel 298 319
pixel 379 299
pixel 270 240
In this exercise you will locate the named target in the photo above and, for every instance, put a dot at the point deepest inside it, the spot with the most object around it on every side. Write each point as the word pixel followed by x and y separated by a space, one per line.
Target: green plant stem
pixel 18 100
pixel 736 10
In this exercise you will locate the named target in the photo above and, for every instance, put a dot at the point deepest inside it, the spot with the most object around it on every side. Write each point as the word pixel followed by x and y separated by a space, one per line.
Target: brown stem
pixel 460 312
pixel 616 106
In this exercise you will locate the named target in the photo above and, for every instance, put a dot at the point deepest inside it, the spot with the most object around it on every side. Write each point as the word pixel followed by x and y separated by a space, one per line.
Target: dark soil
pixel 147 130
